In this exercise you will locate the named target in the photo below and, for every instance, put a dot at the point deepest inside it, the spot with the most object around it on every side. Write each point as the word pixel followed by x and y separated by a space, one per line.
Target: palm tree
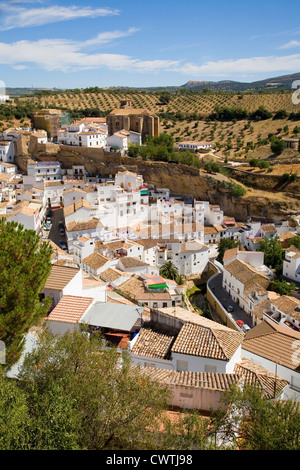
pixel 169 271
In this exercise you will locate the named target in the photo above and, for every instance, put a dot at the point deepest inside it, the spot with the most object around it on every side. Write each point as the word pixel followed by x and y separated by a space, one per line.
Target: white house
pixel 38 172
pixel 119 140
pixel 276 348
pixel 284 310
pixel 210 347
pixel 7 152
pixel 291 264
pixel 54 193
pixel 30 214
pixel 151 291
pixel 245 278
pixel 79 211
pixel 82 135
pixel 95 263
pixel 62 281
pixel 91 228
pixel 194 146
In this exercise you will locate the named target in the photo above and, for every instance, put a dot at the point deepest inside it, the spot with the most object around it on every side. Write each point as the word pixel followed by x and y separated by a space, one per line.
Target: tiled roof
pixel 293 252
pixel 230 253
pixel 117 245
pixel 70 309
pixel 191 247
pixel 111 274
pixel 153 343
pixel 210 230
pixel 60 277
pixel 147 243
pixel 255 375
pixel 205 380
pixel 273 342
pixel 82 203
pixel 258 310
pixel 268 228
pixel 131 262
pixel 136 288
pixel 289 305
pixel 287 235
pixel 86 225
pixel 129 111
pixel 96 261
pixel 244 272
pixel 77 190
pixel 216 343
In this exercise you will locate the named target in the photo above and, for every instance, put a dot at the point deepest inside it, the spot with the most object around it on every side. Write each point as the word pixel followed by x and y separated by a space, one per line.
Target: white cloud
pixel 108 36
pixel 290 45
pixel 18 17
pixel 252 65
pixel 71 56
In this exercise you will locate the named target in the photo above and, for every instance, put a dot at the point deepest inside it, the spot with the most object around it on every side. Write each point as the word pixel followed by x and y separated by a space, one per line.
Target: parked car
pixel 62 231
pixel 63 245
pixel 48 220
pixel 245 328
pixel 47 227
pixel 229 308
pixel 240 323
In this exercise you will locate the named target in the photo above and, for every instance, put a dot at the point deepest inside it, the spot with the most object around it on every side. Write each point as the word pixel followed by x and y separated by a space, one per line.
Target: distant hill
pixel 275 83
pixel 26 91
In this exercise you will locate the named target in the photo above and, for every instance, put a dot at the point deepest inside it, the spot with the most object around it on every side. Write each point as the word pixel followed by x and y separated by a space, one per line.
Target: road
pixel 57 216
pixel 224 298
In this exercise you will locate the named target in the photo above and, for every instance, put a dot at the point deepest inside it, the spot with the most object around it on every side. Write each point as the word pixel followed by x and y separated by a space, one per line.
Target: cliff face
pixel 181 179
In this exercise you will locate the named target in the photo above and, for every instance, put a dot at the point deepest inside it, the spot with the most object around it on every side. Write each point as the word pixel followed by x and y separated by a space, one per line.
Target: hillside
pixel 275 83
pixel 185 117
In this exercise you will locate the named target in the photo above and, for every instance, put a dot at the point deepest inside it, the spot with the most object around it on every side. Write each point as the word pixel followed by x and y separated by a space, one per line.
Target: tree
pixel 238 191
pixel 282 287
pixel 25 264
pixel 256 423
pixel 14 416
pixel 82 395
pixel 295 241
pixel 226 244
pixel 273 254
pixel 277 145
pixel 133 150
pixel 169 271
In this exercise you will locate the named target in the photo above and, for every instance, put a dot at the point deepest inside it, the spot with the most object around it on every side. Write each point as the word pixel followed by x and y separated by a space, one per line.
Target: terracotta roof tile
pixel 70 309
pixel 209 342
pixel 153 343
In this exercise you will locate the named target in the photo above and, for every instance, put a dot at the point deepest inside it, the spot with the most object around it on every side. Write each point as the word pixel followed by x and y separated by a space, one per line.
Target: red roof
pixel 70 309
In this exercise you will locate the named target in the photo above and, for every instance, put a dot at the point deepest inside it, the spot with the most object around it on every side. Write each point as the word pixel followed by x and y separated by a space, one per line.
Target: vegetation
pixel 295 241
pixel 238 191
pixel 169 271
pixel 24 265
pixel 282 287
pixel 75 394
pixel 273 254
pixel 277 145
pixel 226 244
pixel 256 423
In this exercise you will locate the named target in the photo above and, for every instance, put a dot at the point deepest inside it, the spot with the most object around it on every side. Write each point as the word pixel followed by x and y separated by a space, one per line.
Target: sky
pixel 78 44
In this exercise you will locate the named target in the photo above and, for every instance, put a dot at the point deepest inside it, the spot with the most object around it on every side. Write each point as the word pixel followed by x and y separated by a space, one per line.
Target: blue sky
pixel 72 44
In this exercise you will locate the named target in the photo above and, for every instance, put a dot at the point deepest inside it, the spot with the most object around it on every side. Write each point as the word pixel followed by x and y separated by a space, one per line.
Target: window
pixel 150 364
pixel 210 368
pixel 182 366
